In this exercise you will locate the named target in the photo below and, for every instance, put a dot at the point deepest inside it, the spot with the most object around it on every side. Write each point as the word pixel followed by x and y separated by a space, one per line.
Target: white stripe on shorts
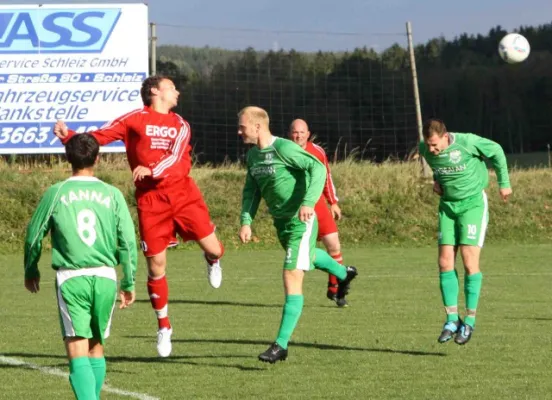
pixel 303 258
pixel 485 221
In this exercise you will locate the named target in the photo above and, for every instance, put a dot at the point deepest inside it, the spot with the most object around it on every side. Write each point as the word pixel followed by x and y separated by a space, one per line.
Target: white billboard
pixel 83 64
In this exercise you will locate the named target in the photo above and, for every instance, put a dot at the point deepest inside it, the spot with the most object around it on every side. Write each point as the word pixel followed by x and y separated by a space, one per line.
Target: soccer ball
pixel 514 48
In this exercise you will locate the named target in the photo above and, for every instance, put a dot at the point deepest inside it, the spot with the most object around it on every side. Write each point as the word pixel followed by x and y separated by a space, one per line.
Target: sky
pixel 332 25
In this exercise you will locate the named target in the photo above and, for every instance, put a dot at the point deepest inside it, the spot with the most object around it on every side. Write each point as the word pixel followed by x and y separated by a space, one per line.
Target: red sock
pixel 332 279
pixel 158 290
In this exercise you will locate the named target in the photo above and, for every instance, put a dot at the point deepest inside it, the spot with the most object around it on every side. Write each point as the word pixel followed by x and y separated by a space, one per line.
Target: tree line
pixel 361 102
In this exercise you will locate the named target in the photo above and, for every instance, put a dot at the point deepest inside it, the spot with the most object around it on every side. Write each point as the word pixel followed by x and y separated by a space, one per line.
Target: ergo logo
pixel 51 30
pixel 161 131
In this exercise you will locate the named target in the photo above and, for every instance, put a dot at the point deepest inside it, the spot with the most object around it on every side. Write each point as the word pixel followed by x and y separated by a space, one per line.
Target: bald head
pixel 298 124
pixel 299 132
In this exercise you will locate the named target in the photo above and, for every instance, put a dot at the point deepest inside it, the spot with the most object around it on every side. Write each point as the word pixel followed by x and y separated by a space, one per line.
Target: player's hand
pixel 505 193
pixel 306 213
pixel 127 298
pixel 437 188
pixel 33 285
pixel 336 211
pixel 60 130
pixel 245 233
pixel 140 172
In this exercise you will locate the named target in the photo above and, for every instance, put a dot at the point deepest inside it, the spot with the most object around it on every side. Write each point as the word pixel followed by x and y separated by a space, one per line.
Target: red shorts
pixel 326 222
pixel 164 213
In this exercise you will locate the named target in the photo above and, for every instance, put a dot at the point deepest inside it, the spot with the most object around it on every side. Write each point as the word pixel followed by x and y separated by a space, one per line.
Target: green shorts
pixel 86 299
pixel 298 240
pixel 464 222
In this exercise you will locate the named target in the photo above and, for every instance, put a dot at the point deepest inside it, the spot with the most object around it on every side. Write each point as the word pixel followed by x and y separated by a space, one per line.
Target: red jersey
pixel 154 140
pixel 329 188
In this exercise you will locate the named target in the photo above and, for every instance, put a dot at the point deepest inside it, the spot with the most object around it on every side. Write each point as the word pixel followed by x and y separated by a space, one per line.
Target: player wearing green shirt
pixel 291 182
pixel 460 178
pixel 92 232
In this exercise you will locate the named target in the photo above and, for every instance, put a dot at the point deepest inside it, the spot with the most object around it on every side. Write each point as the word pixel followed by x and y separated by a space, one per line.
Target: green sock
pixel 472 289
pixel 98 366
pixel 325 262
pixel 290 316
pixel 82 378
pixel 449 291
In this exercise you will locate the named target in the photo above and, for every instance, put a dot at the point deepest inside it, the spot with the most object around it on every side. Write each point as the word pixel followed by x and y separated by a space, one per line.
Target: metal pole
pixel 426 171
pixel 153 49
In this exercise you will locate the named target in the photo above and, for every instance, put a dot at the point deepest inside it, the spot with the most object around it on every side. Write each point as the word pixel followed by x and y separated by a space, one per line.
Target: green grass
pixel 382 347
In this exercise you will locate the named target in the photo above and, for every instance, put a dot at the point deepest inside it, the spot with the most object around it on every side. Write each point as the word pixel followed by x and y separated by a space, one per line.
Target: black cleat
pixel 343 287
pixel 274 353
pixel 331 294
pixel 464 334
pixel 341 303
pixel 449 330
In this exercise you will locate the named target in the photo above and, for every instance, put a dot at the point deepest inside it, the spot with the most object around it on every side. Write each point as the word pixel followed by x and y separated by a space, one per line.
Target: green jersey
pixel 90 226
pixel 460 169
pixel 286 176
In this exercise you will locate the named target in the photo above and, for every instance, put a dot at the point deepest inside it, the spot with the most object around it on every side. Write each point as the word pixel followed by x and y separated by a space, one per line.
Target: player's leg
pixel 97 362
pixel 345 275
pixel 448 277
pixel 333 247
pixel 155 220
pixel 105 297
pixel 299 240
pixel 213 251
pixel 74 296
pixel 81 373
pixel 327 234
pixel 473 228
pixel 193 222
pixel 158 290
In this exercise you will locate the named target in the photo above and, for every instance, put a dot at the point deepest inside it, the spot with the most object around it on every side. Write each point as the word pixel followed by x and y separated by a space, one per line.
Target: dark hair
pixel 150 83
pixel 434 126
pixel 82 151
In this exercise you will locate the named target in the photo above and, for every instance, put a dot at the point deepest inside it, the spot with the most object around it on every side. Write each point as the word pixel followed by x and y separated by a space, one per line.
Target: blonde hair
pixel 255 114
pixel 434 126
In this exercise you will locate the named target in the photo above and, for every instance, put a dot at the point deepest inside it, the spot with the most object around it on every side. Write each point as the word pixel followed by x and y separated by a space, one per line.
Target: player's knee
pixel 215 254
pixel 332 244
pixel 156 266
pixel 334 250
pixel 446 263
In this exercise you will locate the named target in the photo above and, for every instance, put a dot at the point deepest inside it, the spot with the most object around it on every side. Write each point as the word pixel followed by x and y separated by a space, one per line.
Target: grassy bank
pixel 383 204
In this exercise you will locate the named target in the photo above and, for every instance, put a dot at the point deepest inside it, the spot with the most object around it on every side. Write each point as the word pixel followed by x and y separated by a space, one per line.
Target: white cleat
pixel 214 272
pixel 164 345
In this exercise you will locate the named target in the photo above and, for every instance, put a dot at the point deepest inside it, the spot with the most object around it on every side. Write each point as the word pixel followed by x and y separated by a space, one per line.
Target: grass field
pixel 382 347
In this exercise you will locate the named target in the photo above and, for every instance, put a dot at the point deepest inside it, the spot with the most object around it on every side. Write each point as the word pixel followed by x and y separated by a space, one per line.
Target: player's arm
pixel 171 158
pixel 127 254
pixel 110 132
pixel 494 152
pixel 37 228
pixel 251 198
pixel 329 188
pixel 295 157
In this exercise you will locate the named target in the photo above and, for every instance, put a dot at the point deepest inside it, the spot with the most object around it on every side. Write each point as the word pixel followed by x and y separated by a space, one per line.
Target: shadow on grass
pixel 319 346
pixel 218 303
pixel 186 360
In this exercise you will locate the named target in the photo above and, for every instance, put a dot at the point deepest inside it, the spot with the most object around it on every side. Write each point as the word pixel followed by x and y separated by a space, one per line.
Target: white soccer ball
pixel 514 48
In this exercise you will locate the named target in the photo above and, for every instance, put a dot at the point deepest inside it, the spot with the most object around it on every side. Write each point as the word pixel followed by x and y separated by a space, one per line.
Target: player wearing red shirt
pixel 158 148
pixel 327 228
